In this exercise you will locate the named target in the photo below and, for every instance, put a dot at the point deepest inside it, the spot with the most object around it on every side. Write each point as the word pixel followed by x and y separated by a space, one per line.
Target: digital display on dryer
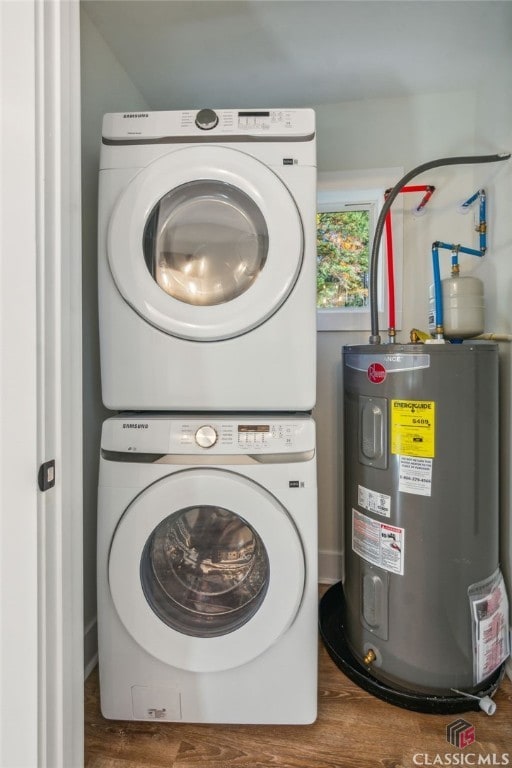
pixel 254 114
pixel 253 428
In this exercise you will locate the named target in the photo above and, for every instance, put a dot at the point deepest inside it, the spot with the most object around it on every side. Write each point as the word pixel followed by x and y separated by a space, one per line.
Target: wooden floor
pixel 353 729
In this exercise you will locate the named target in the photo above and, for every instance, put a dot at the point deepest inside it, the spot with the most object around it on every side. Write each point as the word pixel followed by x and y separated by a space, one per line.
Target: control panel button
pixel 206 119
pixel 206 436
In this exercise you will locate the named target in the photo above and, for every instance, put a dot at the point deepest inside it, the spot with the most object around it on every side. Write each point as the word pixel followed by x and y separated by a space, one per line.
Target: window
pixel 343 238
pixel 348 208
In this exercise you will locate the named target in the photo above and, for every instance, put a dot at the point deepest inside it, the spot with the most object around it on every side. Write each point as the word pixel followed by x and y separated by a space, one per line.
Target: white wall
pixel 407 132
pixel 106 87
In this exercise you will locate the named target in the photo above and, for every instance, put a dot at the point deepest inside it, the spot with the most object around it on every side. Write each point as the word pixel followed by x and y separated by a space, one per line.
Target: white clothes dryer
pixel 207 260
pixel 207 568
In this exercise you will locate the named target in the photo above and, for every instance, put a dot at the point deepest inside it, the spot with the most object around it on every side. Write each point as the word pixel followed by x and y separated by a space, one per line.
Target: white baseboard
pixel 330 566
pixel 90 647
pixel 90 666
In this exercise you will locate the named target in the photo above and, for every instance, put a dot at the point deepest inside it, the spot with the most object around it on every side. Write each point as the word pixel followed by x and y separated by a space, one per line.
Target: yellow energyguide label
pixel 413 428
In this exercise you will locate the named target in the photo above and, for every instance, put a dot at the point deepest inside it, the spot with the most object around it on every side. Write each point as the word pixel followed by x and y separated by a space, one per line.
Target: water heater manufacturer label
pixel 374 501
pixel 413 424
pixel 376 373
pixel 378 543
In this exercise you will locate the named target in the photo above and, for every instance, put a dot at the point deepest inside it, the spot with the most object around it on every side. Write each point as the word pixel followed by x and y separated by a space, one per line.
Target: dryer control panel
pixel 253 121
pixel 210 124
pixel 203 434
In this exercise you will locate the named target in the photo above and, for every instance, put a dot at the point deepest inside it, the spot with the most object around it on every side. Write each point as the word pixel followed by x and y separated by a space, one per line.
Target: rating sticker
pixel 374 501
pixel 413 428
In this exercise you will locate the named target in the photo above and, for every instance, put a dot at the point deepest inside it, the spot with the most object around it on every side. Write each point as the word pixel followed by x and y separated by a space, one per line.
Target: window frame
pixel 363 190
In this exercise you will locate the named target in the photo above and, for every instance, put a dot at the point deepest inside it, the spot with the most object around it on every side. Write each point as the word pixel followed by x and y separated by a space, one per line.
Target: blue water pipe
pixel 482 227
pixel 471 199
pixel 482 223
pixel 456 249
pixel 388 202
pixel 438 295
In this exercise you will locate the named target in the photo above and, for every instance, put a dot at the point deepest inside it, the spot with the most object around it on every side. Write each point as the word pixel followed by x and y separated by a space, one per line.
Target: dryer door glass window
pixel 205 243
pixel 204 571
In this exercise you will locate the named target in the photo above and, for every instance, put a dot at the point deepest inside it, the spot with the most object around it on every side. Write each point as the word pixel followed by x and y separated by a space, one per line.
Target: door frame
pixel 41 656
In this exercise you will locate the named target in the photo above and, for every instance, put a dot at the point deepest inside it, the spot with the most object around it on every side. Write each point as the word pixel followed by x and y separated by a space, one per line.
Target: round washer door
pixel 205 243
pixel 206 570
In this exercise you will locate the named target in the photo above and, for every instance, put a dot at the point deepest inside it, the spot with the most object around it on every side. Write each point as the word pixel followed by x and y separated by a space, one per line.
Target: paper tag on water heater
pixel 489 613
pixel 415 475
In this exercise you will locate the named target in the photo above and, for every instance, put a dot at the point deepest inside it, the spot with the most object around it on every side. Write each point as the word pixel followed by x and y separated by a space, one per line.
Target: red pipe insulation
pixel 429 190
pixel 391 273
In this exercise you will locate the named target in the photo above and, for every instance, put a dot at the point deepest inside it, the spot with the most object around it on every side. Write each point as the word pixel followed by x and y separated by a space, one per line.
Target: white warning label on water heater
pixel 378 543
pixel 374 501
pixel 415 475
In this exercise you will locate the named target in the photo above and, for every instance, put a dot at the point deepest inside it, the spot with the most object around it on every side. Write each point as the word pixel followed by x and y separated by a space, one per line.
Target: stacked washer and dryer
pixel 207 503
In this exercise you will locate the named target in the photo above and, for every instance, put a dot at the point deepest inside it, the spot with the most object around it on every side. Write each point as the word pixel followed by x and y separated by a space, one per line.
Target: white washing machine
pixel 207 568
pixel 207 260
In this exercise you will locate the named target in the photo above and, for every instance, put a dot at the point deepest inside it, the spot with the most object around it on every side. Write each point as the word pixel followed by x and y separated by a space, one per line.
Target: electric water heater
pixel 425 603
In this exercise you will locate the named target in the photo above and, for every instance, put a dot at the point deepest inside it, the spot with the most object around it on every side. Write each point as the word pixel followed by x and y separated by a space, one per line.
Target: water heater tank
pixel 425 602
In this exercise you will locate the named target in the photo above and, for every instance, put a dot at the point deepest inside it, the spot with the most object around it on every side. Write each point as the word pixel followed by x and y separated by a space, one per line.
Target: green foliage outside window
pixel 343 241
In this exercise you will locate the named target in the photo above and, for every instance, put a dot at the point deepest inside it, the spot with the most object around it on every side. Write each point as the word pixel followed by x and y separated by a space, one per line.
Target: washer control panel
pixel 239 437
pixel 219 435
pixel 236 437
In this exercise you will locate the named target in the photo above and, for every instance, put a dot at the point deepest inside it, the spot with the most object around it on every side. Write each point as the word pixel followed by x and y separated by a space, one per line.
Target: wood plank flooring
pixel 353 730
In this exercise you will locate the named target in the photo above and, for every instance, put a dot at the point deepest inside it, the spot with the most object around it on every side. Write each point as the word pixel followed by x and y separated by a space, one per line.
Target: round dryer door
pixel 205 243
pixel 206 570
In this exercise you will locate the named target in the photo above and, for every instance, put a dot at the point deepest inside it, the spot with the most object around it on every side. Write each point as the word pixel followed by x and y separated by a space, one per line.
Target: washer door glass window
pixel 205 243
pixel 204 571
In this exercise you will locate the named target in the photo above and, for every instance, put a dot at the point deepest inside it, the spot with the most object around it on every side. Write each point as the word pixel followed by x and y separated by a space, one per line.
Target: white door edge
pixel 59 384
pixel 41 668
